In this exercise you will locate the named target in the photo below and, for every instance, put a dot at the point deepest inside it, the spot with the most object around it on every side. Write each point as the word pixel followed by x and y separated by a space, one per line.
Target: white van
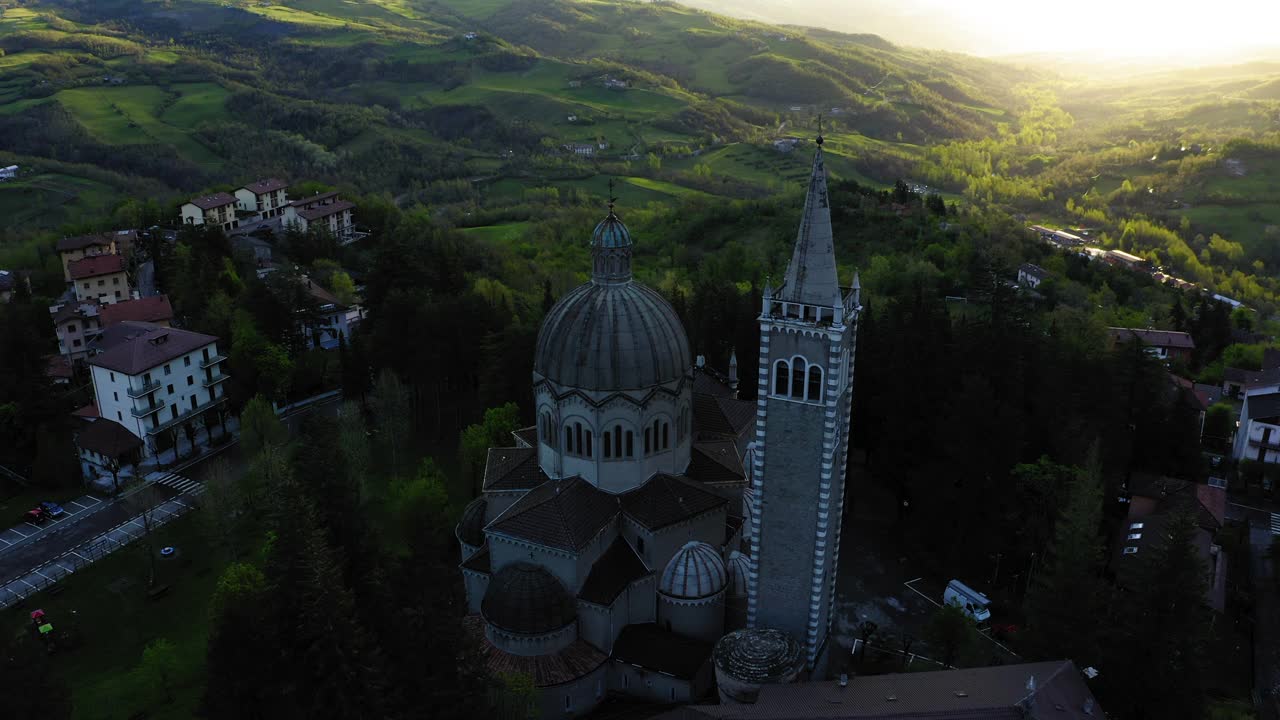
pixel 966 598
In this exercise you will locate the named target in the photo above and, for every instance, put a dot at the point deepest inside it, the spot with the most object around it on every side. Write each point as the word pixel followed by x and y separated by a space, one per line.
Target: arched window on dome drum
pixel 798 366
pixel 815 384
pixel 587 453
pixel 647 446
pixel 608 445
pixel 656 444
pixel 631 451
pixel 568 439
pixel 781 377
pixel 617 439
pixel 666 427
pixel 577 437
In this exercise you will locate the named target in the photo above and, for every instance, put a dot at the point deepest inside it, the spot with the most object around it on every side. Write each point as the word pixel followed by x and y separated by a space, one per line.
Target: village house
pixel 1031 276
pixel 325 211
pixel 101 278
pixel 217 209
pixel 71 249
pixel 9 283
pixel 337 320
pixel 9 172
pixel 1163 344
pixel 1153 503
pixel 155 309
pixel 265 198
pixel 1237 382
pixel 155 379
pixel 75 324
pixel 581 149
pixel 107 449
pixel 1258 430
pixel 1120 258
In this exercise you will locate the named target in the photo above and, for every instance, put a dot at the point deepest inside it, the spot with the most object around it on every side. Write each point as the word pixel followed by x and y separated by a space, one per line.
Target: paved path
pixel 25 532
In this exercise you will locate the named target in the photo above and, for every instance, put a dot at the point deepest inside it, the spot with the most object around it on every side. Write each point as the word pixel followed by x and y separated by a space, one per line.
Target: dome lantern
pixel 611 248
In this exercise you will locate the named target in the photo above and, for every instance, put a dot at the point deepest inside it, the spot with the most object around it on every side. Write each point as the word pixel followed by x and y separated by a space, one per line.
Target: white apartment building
pixel 157 379
pixel 267 198
pixel 326 211
pixel 217 209
pixel 1258 431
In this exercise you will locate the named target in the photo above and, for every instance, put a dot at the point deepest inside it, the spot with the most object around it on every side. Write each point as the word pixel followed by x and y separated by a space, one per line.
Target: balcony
pixel 215 380
pixel 183 417
pixel 212 361
pixel 1271 445
pixel 143 412
pixel 144 389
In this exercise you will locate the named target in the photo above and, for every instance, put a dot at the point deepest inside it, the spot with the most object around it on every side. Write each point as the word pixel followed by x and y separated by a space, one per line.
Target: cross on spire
pixel 612 199
pixel 819 141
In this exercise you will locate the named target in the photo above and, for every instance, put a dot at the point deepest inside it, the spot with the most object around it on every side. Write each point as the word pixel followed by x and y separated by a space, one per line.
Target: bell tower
pixel 808 329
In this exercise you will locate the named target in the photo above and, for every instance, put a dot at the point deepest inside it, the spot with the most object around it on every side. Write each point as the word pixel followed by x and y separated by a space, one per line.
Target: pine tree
pixel 1065 605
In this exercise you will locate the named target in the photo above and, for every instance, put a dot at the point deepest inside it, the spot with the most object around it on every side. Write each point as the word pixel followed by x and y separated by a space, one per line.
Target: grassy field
pixel 507 232
pixel 51 199
pixel 106 604
pixel 148 114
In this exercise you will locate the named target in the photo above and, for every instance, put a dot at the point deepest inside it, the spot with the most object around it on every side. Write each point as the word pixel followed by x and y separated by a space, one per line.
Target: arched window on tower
pixel 815 384
pixel 577 437
pixel 798 367
pixel 568 439
pixel 781 377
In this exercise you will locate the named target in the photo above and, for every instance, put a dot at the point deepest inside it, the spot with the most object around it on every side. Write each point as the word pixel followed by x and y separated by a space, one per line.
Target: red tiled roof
pixel 318 197
pixel 571 663
pixel 323 211
pixel 149 349
pixel 261 187
pixel 79 242
pixel 89 412
pixel 209 202
pixel 95 265
pixel 108 437
pixel 152 309
pixel 1154 338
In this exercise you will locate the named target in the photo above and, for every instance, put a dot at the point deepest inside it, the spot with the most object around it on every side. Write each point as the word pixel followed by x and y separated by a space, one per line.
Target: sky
pixel 1172 30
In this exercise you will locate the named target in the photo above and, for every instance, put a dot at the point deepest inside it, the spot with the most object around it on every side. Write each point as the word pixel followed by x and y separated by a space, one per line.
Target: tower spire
pixel 611 248
pixel 811 275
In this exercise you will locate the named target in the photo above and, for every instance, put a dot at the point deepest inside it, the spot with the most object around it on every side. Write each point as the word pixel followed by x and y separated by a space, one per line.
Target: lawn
pixel 665 188
pixel 126 115
pixel 107 606
pixel 199 102
pixel 50 199
pixel 507 232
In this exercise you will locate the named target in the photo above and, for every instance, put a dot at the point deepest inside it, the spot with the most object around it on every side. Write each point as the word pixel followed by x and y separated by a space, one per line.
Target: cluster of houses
pixel 158 388
pixel 265 203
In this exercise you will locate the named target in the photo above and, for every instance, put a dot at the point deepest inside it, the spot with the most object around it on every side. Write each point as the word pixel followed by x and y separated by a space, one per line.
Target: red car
pixel 35 515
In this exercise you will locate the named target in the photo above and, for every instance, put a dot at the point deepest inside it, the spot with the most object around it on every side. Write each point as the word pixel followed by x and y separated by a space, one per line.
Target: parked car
pixel 53 508
pixel 35 515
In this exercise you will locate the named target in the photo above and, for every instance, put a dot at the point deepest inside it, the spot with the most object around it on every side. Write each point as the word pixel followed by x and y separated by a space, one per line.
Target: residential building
pixel 1153 503
pixel 1237 382
pixel 106 447
pixel 337 319
pixel 1258 431
pixel 155 379
pixel 58 369
pixel 83 246
pixel 266 198
pixel 76 324
pixel 1054 690
pixel 581 149
pixel 1164 344
pixel 218 209
pixel 8 172
pixel 155 309
pixel 325 211
pixel 1031 276
pixel 100 277
pixel 8 283
pixel 1123 259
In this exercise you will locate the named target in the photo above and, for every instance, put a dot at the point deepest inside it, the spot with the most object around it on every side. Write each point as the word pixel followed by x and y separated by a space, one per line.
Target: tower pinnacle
pixel 811 275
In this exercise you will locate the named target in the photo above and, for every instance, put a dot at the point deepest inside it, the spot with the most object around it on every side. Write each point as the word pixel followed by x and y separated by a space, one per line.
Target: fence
pixel 45 576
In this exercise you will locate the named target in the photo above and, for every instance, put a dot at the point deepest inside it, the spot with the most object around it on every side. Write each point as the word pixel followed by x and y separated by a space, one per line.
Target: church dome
pixel 612 337
pixel 471 527
pixel 611 233
pixel 739 572
pixel 695 572
pixel 526 598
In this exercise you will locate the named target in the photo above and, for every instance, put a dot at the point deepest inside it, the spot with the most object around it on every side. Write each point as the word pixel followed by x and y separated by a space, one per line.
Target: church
pixel 650 511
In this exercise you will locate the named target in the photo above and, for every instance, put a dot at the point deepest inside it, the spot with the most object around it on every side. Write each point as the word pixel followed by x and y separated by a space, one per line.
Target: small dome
pixel 758 656
pixel 739 573
pixel 605 336
pixel 695 572
pixel 470 529
pixel 748 502
pixel 611 233
pixel 526 598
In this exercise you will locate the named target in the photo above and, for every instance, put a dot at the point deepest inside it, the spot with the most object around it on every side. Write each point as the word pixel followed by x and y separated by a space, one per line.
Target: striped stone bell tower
pixel 808 328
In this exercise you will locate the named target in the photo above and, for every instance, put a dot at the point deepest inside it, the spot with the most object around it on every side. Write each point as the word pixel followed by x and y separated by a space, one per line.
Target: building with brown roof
pixel 100 277
pixel 218 209
pixel 153 379
pixel 155 309
pixel 76 324
pixel 325 211
pixel 78 247
pixel 1163 344
pixel 264 198
pixel 106 447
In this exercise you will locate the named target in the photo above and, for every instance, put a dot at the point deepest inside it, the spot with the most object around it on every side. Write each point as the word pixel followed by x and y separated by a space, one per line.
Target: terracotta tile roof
pixel 108 437
pixel 152 309
pixel 617 568
pixel 323 211
pixel 710 382
pixel 95 265
pixel 1154 338
pixel 79 242
pixel 668 499
pixel 150 348
pixel 716 461
pixel 512 468
pixel 659 650
pixel 722 415
pixel 216 200
pixel 89 412
pixel 261 187
pixel 563 514
pixel 569 664
pixel 317 198
pixel 528 436
pixel 479 561
pixel 990 693
pixel 57 367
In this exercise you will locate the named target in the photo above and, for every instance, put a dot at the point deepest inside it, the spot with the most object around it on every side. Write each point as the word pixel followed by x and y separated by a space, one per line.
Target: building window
pixel 630 445
pixel 666 427
pixel 116 396
pixel 186 361
pixel 166 370
pixel 86 286
pixel 646 441
pixel 113 376
pixel 102 283
pixel 639 544
pixel 588 448
pixel 119 415
pixel 191 380
pixel 673 694
pixel 568 439
pixel 206 354
pixel 577 437
pixel 781 377
pixel 115 281
pixel 568 702
pixel 193 402
pixel 815 384
pixel 608 445
pixel 117 294
pixel 75 342
pixel 798 367
pixel 171 389
pixel 173 412
pixel 71 328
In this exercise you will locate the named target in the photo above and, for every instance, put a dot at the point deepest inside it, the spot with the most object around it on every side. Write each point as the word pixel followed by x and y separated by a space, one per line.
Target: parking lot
pixel 26 531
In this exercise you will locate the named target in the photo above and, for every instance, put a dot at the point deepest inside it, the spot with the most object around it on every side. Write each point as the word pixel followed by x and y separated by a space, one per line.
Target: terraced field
pixel 149 114
pixel 51 199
